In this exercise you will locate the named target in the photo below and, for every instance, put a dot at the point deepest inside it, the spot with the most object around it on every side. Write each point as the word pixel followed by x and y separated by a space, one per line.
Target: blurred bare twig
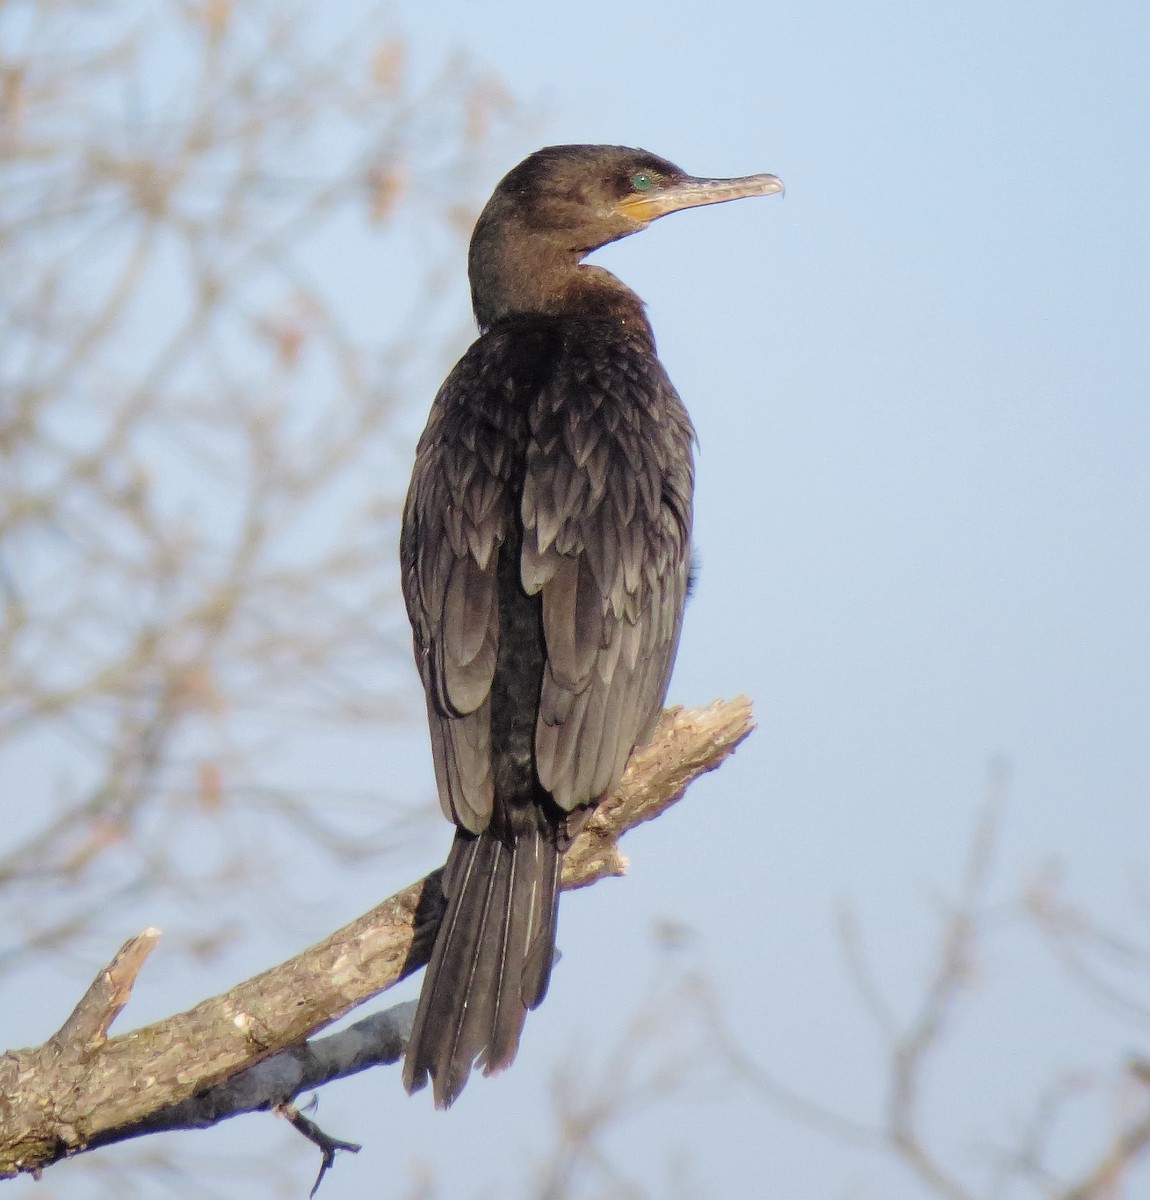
pixel 1112 966
pixel 224 233
pixel 900 1128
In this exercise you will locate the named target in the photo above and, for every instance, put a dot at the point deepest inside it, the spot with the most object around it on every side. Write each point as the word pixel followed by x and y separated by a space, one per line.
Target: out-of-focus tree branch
pixel 900 1128
pixel 224 233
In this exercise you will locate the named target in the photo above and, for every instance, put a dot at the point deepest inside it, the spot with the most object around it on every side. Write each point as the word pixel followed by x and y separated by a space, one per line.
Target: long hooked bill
pixel 691 193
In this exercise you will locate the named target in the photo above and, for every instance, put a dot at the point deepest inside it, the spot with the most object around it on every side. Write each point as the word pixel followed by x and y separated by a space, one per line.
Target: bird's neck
pixel 517 275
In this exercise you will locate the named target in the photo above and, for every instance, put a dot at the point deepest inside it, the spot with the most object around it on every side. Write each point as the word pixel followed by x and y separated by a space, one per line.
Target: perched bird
pixel 545 553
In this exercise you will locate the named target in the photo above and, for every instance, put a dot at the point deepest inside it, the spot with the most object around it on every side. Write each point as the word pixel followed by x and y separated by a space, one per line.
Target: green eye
pixel 642 181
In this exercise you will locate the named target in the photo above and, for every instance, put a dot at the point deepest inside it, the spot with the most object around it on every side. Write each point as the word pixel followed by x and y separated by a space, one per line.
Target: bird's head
pixel 562 202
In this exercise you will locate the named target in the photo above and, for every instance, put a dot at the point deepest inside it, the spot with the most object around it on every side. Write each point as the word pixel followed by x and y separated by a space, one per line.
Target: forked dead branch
pixel 81 1088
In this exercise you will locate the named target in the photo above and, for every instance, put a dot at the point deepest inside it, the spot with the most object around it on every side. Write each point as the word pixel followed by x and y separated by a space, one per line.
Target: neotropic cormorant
pixel 545 555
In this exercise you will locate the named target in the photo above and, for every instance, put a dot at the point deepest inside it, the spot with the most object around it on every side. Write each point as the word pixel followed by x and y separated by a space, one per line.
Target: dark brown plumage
pixel 545 555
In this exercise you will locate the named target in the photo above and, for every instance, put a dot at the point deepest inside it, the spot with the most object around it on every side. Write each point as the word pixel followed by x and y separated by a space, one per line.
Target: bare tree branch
pixel 111 990
pixel 58 1098
pixel 376 1040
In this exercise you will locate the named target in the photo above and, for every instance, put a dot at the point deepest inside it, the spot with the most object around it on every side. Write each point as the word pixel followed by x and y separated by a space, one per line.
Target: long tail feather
pixel 491 962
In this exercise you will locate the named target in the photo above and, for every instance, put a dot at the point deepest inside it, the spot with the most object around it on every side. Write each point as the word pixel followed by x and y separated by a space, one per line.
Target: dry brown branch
pixel 103 1002
pixel 1115 1163
pixel 59 1097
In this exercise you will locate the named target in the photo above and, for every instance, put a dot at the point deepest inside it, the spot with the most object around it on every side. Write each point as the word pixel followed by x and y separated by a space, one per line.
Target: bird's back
pixel 558 447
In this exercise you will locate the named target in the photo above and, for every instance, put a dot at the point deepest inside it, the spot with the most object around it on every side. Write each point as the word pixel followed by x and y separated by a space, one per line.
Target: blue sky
pixel 921 383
